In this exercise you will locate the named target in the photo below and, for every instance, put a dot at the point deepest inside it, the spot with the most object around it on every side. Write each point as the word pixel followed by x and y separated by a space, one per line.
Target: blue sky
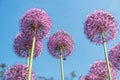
pixel 68 15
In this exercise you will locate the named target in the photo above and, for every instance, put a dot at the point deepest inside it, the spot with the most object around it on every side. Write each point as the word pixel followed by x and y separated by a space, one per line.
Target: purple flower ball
pixel 114 56
pixel 23 45
pixel 100 22
pixel 18 72
pixel 90 77
pixel 99 68
pixel 60 40
pixel 36 19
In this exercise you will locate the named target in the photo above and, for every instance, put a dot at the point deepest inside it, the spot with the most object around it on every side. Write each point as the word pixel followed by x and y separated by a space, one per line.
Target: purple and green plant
pixel 101 27
pixel 37 23
pixel 60 45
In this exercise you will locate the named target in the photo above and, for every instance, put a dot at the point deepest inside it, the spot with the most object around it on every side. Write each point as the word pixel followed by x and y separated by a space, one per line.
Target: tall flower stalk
pixel 100 27
pixel 25 47
pixel 37 24
pixel 61 64
pixel 106 57
pixel 31 56
pixel 60 45
pixel 27 60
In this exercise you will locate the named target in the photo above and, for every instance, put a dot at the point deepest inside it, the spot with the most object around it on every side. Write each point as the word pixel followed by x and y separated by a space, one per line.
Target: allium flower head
pixel 100 22
pixel 90 77
pixel 23 45
pixel 99 68
pixel 114 56
pixel 36 19
pixel 18 72
pixel 58 41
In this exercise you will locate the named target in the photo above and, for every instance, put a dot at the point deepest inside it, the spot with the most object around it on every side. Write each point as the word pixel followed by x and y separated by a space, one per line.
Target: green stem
pixel 61 64
pixel 106 57
pixel 31 56
pixel 27 61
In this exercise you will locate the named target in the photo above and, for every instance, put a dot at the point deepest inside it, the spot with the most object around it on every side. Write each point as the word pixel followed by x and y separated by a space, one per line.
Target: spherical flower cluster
pixel 98 23
pixel 90 77
pixel 36 19
pixel 58 41
pixel 23 45
pixel 114 56
pixel 18 72
pixel 99 68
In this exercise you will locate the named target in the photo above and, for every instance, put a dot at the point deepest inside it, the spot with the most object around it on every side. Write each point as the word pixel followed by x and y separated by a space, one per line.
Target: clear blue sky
pixel 68 15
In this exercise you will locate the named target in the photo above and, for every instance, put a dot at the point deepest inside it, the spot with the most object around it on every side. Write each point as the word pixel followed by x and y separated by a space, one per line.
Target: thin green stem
pixel 27 61
pixel 31 56
pixel 106 57
pixel 61 64
pixel 28 58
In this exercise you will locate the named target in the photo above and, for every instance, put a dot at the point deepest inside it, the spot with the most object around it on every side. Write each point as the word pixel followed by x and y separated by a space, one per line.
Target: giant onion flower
pixel 60 45
pixel 100 27
pixel 99 68
pixel 98 23
pixel 114 56
pixel 60 40
pixel 36 19
pixel 23 45
pixel 18 72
